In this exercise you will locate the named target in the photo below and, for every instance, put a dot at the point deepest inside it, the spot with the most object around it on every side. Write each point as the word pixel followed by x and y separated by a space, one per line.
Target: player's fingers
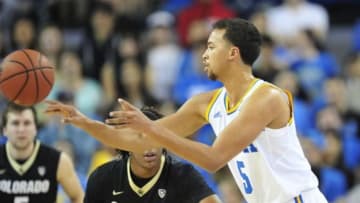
pixel 52 102
pixel 70 120
pixel 120 114
pixel 122 126
pixel 51 110
pixel 116 121
pixel 126 105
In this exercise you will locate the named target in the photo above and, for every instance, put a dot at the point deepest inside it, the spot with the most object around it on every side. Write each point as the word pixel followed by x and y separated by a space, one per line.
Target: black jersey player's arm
pixel 68 179
pixel 106 134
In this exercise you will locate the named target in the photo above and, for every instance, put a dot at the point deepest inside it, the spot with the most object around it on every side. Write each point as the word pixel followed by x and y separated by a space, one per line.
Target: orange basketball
pixel 26 77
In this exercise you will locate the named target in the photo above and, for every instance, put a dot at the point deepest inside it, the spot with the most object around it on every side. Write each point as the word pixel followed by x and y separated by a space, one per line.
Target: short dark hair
pixel 149 112
pixel 12 107
pixel 242 34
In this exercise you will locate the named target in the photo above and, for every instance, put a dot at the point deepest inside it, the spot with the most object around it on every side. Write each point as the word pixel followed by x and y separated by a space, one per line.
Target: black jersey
pixel 31 182
pixel 176 182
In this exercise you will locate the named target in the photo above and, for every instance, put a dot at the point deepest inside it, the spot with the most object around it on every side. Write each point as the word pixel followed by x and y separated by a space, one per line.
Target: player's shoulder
pixel 48 149
pixel 48 153
pixel 201 101
pixel 105 171
pixel 205 97
pixel 181 168
pixel 269 92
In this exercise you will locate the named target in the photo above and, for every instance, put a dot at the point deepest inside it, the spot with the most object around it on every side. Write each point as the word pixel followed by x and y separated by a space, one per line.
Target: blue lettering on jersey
pixel 217 115
pixel 246 181
pixel 250 149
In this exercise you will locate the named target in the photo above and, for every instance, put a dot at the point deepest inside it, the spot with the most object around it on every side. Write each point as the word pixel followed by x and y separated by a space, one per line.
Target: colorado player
pixel 29 171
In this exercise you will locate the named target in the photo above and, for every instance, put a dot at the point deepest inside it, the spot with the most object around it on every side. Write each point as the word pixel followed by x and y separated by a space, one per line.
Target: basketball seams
pixel 43 74
pixel 18 84
pixel 19 73
pixel 25 82
pixel 35 75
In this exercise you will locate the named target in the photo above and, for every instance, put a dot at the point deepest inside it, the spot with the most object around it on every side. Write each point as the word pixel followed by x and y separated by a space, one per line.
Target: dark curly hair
pixel 242 34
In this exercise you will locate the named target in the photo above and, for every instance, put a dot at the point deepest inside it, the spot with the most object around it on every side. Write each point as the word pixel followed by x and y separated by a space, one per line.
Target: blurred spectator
pixel 352 72
pixel 332 182
pixel 258 18
pixel 208 11
pixel 51 43
pixel 192 78
pixel 23 34
pixel 67 13
pixel 99 44
pixel 315 64
pixel 87 92
pixel 131 14
pixel 266 66
pixel 288 80
pixel 163 56
pixel 127 72
pixel 293 16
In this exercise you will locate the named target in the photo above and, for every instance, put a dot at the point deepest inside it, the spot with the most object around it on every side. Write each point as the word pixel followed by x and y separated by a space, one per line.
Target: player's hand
pixel 128 117
pixel 69 113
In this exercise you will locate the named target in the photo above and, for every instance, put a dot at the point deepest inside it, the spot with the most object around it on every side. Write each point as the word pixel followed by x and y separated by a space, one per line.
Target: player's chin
pixel 150 164
pixel 22 144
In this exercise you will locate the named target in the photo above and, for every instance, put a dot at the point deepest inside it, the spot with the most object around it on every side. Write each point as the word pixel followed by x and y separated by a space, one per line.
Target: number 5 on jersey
pixel 246 181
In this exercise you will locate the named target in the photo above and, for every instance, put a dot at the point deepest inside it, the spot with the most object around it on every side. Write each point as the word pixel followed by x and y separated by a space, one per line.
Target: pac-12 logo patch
pixel 41 170
pixel 161 193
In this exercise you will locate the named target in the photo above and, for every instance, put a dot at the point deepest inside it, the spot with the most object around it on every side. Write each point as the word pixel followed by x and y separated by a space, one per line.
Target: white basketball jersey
pixel 273 169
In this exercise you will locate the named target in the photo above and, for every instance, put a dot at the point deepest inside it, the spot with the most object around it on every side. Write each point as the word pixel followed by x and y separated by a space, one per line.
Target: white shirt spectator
pixel 286 21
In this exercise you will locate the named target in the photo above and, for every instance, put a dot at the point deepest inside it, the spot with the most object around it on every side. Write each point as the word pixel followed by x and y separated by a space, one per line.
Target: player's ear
pixel 234 53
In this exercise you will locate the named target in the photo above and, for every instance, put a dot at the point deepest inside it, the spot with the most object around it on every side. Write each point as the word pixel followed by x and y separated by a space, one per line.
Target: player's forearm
pixel 78 199
pixel 200 154
pixel 116 138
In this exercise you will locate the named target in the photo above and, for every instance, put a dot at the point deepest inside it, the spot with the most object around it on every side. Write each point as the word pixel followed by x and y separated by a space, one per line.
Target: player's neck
pixel 21 154
pixel 237 83
pixel 142 172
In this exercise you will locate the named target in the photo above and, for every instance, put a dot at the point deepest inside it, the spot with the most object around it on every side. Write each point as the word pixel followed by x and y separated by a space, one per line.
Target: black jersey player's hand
pixel 128 117
pixel 69 113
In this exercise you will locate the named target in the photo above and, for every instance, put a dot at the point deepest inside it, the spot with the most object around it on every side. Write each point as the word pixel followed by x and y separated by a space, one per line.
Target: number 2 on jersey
pixel 246 181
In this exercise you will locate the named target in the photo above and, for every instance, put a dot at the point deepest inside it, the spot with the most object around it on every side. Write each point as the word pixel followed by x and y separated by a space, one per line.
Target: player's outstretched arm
pixel 266 107
pixel 106 134
pixel 68 179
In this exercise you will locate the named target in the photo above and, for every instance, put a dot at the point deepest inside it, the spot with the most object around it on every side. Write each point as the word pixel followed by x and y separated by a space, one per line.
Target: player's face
pixel 149 160
pixel 216 54
pixel 20 129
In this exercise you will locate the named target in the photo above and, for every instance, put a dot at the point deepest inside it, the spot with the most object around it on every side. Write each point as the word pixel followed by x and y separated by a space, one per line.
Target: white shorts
pixel 310 196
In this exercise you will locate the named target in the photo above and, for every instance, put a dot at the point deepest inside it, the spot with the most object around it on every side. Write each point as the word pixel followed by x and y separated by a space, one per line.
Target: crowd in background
pixel 149 52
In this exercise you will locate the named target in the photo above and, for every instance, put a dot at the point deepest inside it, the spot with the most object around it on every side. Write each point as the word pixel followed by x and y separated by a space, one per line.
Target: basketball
pixel 26 77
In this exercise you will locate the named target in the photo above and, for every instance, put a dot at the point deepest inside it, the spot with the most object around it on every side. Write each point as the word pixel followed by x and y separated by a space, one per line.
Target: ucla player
pixel 29 171
pixel 253 121
pixel 150 176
